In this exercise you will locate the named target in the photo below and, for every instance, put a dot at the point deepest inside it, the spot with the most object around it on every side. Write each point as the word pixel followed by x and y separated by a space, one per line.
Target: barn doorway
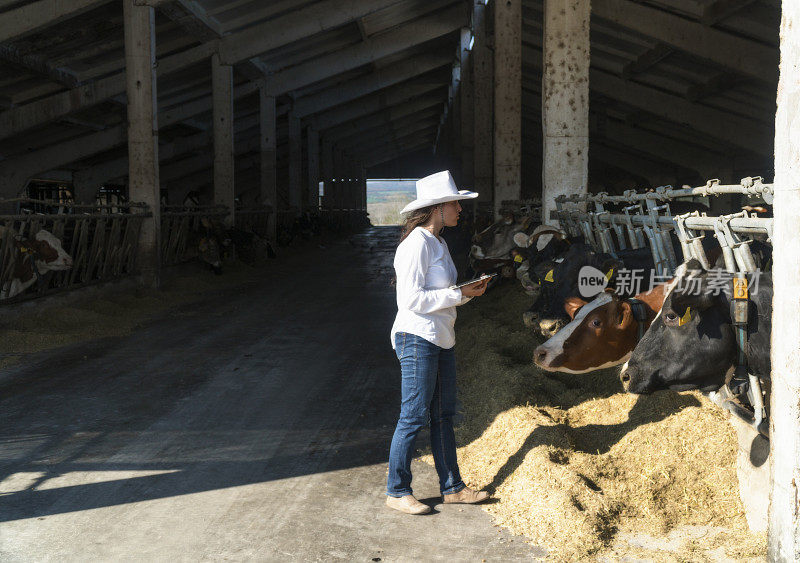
pixel 386 197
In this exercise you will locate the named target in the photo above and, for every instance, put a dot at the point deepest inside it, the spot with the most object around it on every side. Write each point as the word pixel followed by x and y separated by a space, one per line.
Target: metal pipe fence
pixel 645 220
pixel 101 242
pixel 178 223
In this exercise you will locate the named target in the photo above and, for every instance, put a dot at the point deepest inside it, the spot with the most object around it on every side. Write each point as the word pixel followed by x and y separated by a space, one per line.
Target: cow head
pixel 46 250
pixel 690 344
pixel 565 280
pixel 601 334
pixel 208 248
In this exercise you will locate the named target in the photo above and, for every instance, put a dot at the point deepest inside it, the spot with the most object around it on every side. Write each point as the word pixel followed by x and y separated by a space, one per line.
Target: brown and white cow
pixel 33 258
pixel 602 333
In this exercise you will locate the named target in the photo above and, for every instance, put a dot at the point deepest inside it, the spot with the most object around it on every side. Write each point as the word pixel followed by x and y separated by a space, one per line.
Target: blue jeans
pixel 428 394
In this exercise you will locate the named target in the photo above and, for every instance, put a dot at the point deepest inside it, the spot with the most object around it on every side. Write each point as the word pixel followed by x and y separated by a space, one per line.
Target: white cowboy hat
pixel 437 188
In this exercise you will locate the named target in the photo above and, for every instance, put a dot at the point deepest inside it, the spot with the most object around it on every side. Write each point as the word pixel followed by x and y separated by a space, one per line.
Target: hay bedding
pixel 104 312
pixel 583 469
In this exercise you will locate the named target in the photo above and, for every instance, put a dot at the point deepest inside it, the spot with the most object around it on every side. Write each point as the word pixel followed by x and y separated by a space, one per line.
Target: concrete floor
pixel 253 425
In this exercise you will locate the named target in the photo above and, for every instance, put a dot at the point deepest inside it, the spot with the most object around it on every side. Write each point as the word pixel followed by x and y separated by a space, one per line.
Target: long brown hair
pixel 416 218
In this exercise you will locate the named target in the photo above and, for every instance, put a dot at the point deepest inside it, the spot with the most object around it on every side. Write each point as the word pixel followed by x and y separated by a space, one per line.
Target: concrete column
pixel 363 176
pixel 507 101
pixel 222 99
pixel 784 512
pixel 483 101
pixel 565 101
pixel 313 167
pixel 268 182
pixel 327 172
pixel 143 181
pixel 455 122
pixel 295 163
pixel 467 113
pixel 337 179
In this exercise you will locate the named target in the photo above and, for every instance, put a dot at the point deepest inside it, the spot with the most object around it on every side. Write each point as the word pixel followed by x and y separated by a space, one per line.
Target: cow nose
pixel 539 356
pixel 625 378
pixel 530 318
pixel 548 327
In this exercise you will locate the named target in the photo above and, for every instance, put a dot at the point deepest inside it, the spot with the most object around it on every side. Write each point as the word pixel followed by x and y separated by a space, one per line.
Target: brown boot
pixel 466 496
pixel 407 504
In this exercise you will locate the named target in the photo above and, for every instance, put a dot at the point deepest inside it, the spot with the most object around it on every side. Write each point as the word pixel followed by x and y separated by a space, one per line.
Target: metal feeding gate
pixel 254 219
pixel 179 225
pixel 102 241
pixel 644 220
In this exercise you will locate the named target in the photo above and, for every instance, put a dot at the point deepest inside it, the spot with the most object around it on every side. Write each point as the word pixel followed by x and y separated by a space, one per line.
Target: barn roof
pixel 677 85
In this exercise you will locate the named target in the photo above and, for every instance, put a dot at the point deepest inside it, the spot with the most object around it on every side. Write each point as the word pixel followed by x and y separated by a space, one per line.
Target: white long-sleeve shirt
pixel 425 305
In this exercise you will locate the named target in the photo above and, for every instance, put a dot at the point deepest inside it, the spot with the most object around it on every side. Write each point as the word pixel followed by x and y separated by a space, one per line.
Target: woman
pixel 423 338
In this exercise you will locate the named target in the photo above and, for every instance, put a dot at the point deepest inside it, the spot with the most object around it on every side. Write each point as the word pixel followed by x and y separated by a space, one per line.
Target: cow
pixel 250 247
pixel 32 258
pixel 560 282
pixel 602 332
pixel 498 240
pixel 205 243
pixel 691 343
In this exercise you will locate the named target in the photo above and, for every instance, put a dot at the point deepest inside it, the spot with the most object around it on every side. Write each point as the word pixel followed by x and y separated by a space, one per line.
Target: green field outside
pixel 385 199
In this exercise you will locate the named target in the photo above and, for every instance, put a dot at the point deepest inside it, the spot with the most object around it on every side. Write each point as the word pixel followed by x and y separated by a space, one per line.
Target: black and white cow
pixel 691 344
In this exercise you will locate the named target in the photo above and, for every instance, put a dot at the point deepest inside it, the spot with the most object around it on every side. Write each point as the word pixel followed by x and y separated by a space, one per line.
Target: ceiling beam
pixel 379 119
pixel 717 11
pixel 738 54
pixel 734 130
pixel 647 60
pixel 305 22
pixel 383 45
pixel 281 31
pixel 375 103
pixel 39 15
pixel 376 80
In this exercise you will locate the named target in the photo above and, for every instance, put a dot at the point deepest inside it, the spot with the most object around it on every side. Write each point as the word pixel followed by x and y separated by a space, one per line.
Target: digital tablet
pixel 470 282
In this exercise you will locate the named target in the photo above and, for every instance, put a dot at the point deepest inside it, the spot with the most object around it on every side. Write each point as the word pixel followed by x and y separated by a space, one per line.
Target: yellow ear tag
pixel 549 276
pixel 740 288
pixel 609 274
pixel 518 258
pixel 687 316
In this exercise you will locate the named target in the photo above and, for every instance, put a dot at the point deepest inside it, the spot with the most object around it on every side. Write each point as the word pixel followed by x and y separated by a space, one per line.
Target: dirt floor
pixel 583 469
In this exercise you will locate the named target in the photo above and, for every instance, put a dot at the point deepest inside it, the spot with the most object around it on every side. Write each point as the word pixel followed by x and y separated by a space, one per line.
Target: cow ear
pixel 572 304
pixel 624 313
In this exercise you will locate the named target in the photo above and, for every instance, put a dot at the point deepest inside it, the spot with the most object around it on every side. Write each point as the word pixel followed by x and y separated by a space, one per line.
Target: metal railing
pixel 637 226
pixel 653 224
pixel 177 225
pixel 254 219
pixel 101 242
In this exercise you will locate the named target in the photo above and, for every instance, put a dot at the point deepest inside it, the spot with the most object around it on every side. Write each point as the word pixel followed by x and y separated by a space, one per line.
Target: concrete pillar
pixel 467 111
pixel 565 101
pixel 313 168
pixel 222 99
pixel 784 512
pixel 455 122
pixel 507 101
pixel 363 186
pixel 295 163
pixel 268 182
pixel 327 173
pixel 143 181
pixel 483 98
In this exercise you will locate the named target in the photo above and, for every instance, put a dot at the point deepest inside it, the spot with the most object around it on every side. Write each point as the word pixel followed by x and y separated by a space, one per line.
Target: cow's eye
pixel 596 323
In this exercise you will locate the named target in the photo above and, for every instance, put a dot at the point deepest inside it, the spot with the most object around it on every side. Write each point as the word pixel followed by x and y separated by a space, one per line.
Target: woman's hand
pixel 474 289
